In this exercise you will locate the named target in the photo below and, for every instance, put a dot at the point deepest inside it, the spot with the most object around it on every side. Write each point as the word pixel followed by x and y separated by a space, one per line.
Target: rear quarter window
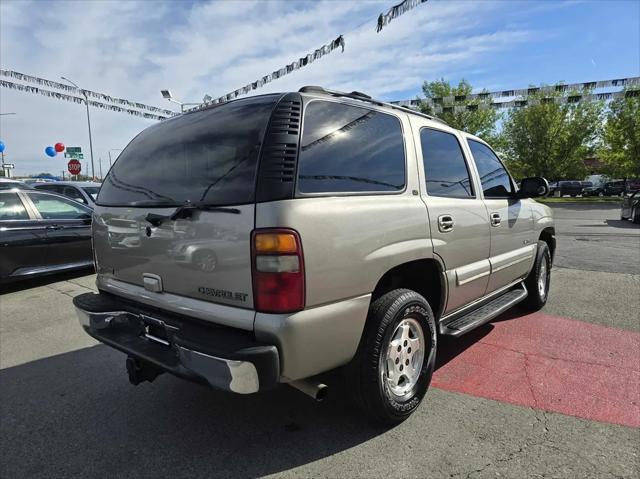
pixel 348 149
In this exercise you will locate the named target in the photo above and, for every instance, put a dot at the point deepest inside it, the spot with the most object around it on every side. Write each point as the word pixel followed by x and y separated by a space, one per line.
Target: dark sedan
pixel 573 188
pixel 84 192
pixel 42 233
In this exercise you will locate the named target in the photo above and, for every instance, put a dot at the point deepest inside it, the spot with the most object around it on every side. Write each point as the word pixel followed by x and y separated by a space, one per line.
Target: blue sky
pixel 133 49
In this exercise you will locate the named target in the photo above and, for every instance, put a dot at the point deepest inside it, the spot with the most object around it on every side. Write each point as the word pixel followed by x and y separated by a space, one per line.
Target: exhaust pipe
pixel 317 391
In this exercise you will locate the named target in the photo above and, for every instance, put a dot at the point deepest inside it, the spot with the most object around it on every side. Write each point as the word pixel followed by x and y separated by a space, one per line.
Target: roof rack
pixel 357 95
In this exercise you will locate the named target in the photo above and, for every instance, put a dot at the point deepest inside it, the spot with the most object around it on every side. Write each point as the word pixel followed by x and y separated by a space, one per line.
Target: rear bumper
pixel 222 357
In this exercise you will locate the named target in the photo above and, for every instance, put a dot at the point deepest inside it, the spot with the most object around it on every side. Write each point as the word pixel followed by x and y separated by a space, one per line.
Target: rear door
pixel 23 246
pixel 457 215
pixel 513 244
pixel 207 158
pixel 68 228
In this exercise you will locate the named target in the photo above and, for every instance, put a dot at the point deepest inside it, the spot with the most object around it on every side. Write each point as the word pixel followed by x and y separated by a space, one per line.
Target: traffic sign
pixel 8 165
pixel 74 152
pixel 74 167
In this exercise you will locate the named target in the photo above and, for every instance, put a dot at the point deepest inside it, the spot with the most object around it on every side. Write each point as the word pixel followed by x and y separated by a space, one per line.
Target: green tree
pixel 551 136
pixel 621 138
pixel 478 118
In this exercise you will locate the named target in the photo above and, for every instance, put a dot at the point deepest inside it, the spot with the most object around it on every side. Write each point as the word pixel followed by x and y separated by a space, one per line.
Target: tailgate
pixel 206 257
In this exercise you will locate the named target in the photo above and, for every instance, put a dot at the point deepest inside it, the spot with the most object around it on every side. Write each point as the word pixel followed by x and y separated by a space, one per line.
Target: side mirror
pixel 533 187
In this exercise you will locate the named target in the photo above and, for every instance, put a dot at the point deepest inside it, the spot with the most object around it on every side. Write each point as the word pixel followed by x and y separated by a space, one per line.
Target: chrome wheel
pixel 402 363
pixel 543 278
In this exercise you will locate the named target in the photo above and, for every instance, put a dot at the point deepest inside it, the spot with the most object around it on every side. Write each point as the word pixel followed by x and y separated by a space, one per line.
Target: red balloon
pixel 59 147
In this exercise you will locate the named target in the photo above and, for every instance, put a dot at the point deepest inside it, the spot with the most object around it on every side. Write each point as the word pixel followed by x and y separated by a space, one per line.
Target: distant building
pixel 593 164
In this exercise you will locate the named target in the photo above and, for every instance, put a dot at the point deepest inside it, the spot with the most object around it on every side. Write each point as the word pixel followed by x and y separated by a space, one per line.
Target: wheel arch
pixel 548 235
pixel 424 276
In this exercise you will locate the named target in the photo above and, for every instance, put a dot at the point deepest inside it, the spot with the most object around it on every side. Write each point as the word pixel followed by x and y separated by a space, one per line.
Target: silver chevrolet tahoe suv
pixel 269 239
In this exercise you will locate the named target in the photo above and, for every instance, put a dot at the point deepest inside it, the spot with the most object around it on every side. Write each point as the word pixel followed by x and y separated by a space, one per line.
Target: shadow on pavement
pixel 75 414
pixel 622 224
pixel 23 284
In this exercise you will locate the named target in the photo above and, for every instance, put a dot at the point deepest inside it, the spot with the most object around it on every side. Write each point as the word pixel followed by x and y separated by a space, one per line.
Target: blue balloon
pixel 50 151
pixel 1 147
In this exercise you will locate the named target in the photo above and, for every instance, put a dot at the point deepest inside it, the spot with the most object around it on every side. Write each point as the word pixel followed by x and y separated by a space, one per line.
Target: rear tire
pixel 539 279
pixel 392 369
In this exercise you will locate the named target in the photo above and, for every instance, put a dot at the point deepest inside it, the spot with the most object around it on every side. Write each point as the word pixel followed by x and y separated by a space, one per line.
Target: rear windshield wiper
pixel 186 211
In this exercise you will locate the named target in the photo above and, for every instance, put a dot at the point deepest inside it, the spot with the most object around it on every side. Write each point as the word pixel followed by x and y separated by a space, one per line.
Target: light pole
pixel 86 102
pixel 3 170
pixel 166 94
pixel 113 149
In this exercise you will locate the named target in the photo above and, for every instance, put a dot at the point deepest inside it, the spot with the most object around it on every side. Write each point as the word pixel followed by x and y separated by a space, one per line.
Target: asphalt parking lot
pixel 554 394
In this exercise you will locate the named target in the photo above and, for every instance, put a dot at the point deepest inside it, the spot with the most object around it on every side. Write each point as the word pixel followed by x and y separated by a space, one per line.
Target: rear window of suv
pixel 350 149
pixel 208 156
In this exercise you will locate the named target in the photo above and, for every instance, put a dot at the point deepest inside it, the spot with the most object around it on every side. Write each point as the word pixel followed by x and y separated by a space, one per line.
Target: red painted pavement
pixel 550 363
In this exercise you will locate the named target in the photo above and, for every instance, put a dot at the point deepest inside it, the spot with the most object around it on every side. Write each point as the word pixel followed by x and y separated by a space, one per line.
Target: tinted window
pixel 73 193
pixel 350 149
pixel 11 207
pixel 444 166
pixel 92 191
pixel 209 156
pixel 493 176
pixel 54 207
pixel 8 185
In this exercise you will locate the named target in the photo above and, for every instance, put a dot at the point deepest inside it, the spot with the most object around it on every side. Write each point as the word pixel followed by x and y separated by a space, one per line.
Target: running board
pixel 485 313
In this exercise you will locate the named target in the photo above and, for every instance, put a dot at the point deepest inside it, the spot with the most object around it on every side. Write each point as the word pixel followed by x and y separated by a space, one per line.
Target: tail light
pixel 277 271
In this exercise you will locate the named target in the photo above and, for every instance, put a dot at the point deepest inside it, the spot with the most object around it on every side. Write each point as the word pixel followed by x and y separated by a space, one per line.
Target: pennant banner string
pixel 439 108
pixel 71 89
pixel 77 99
pixel 296 65
pixel 523 93
pixel 396 11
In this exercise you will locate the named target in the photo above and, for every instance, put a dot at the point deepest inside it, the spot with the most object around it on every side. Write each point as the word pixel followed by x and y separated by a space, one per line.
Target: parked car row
pixel 587 188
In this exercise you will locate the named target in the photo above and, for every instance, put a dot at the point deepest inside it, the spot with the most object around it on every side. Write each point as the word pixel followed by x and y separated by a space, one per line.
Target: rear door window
pixel 207 156
pixel 350 149
pixel 445 168
pixel 53 207
pixel 11 207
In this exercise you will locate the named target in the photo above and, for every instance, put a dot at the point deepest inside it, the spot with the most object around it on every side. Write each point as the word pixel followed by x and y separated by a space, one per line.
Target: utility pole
pixel 86 102
pixel 100 163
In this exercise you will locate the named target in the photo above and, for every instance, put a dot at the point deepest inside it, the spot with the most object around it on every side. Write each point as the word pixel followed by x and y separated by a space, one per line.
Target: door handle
pixel 53 227
pixel 445 223
pixel 495 219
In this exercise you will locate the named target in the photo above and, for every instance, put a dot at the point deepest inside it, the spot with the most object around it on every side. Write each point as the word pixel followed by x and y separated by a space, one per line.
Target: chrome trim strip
pixel 472 278
pixel 504 266
pixel 470 272
pixel 50 269
pixel 510 258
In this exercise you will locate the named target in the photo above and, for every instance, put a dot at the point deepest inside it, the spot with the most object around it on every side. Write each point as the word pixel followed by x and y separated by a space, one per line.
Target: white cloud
pixel 133 49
